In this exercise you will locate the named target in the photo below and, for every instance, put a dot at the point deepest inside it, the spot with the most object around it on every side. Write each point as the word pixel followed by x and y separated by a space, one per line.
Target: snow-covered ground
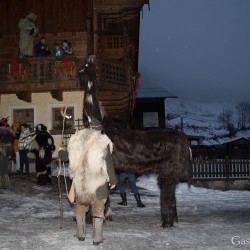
pixel 208 219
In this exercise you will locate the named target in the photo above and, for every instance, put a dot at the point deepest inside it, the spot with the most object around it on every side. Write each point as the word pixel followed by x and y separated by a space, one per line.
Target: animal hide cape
pixel 87 166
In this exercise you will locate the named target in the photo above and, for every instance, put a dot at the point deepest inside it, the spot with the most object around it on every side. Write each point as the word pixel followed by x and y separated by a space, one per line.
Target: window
pixel 150 119
pixel 24 116
pixel 57 119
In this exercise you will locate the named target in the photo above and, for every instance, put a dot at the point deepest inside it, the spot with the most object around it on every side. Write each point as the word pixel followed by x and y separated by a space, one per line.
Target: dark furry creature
pixel 160 151
pixel 88 81
pixel 7 137
pixel 42 149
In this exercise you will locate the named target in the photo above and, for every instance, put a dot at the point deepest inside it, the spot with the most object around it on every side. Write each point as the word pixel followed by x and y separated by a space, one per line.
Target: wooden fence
pixel 221 169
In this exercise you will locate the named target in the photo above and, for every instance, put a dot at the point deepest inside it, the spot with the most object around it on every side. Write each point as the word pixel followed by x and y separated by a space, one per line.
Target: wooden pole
pixel 63 113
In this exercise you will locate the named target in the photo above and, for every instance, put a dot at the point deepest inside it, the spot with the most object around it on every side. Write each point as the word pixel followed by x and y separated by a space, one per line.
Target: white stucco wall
pixel 42 103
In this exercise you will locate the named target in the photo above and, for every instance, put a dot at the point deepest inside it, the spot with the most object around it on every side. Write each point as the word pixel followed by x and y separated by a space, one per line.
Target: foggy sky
pixel 197 49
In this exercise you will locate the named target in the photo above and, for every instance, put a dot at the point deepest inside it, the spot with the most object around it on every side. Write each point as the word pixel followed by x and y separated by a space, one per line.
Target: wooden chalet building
pixel 40 87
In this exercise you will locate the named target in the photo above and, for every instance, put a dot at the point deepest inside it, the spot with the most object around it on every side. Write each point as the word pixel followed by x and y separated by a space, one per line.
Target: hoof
pixel 81 238
pixel 168 225
pixel 97 243
pixel 109 218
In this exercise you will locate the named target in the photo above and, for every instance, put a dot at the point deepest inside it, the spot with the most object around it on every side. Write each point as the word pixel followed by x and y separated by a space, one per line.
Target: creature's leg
pixel 81 227
pixel 43 171
pixel 48 175
pixel 89 217
pixel 26 161
pixel 21 154
pixel 80 212
pixel 5 181
pixel 4 172
pixel 108 211
pixel 17 162
pixel 168 202
pixel 98 217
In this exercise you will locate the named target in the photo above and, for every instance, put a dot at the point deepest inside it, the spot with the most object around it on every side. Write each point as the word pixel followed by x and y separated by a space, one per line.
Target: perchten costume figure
pixel 28 31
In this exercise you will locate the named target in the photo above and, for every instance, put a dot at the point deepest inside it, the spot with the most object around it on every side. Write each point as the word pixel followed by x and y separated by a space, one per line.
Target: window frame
pixel 57 117
pixel 24 111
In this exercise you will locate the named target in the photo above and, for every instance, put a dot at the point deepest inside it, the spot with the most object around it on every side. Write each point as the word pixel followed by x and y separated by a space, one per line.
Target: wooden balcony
pixel 48 74
pixel 116 87
pixel 39 74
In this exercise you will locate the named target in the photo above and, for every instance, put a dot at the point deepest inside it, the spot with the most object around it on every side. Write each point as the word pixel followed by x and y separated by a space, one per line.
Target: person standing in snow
pixel 92 172
pixel 122 177
pixel 23 145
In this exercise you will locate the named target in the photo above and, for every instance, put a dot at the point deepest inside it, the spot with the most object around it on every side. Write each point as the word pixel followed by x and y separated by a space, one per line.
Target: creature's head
pixel 31 16
pixel 4 122
pixel 87 71
pixel 7 135
pixel 41 128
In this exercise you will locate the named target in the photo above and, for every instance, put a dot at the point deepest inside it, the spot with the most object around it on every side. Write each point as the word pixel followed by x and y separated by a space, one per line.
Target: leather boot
pixel 124 200
pixel 81 227
pixel 97 231
pixel 138 200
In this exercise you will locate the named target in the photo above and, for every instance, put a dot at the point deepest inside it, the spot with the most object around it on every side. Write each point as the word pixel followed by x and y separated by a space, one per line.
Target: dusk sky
pixel 197 49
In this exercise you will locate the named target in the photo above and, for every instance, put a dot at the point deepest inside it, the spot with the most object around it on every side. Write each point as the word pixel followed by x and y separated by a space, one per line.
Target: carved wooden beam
pixel 57 94
pixel 24 96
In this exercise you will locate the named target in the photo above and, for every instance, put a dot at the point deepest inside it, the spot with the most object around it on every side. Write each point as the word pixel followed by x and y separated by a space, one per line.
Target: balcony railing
pixel 56 75
pixel 113 72
pixel 39 69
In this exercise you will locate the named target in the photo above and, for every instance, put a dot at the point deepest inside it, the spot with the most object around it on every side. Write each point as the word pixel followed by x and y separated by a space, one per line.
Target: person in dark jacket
pixel 42 48
pixel 67 47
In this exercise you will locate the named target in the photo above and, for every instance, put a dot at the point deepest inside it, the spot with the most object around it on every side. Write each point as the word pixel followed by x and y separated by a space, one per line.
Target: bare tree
pixel 226 119
pixel 243 109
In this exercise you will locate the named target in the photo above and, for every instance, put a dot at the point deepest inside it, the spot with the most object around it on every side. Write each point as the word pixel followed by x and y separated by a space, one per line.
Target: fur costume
pixel 7 137
pixel 42 148
pixel 165 152
pixel 28 31
pixel 88 149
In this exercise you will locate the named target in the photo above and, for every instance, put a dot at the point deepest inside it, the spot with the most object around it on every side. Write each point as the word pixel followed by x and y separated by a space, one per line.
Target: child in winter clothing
pixel 57 51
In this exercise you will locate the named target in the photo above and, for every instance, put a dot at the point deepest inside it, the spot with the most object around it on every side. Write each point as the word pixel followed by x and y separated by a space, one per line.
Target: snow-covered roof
pixel 156 92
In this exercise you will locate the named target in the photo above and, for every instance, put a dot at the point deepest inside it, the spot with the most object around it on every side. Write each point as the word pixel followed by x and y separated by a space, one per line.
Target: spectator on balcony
pixel 67 47
pixel 57 51
pixel 42 48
